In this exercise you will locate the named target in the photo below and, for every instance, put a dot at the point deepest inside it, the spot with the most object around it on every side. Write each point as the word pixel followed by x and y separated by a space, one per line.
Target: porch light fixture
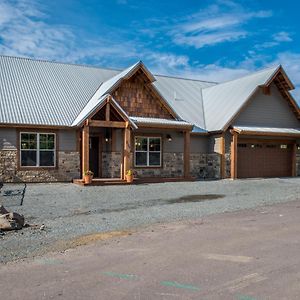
pixel 107 136
pixel 169 138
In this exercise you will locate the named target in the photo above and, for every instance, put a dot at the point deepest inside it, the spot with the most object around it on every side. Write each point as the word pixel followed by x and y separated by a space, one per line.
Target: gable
pixel 113 114
pixel 138 98
pixel 224 101
pixel 268 111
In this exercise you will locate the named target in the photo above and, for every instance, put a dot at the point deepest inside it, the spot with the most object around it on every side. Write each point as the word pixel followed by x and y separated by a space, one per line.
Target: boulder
pixel 10 220
pixel 3 210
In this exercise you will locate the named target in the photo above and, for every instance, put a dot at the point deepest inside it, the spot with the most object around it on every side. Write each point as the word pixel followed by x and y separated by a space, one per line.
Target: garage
pixel 264 159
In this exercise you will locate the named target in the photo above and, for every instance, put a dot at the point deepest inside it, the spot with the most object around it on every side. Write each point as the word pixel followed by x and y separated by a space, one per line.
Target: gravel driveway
pixel 69 211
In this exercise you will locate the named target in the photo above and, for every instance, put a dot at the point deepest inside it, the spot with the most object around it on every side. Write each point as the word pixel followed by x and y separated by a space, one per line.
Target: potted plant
pixel 129 176
pixel 88 177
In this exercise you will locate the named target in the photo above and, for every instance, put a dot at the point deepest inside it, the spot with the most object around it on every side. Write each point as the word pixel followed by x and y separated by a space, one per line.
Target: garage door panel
pixel 264 160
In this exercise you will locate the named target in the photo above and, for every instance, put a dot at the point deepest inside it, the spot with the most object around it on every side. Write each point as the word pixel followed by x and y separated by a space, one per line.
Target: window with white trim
pixel 37 149
pixel 147 151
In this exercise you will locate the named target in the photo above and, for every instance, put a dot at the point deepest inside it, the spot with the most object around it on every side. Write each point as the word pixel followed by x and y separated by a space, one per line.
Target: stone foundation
pixel 205 166
pixel 111 164
pixel 228 165
pixel 68 168
pixel 172 167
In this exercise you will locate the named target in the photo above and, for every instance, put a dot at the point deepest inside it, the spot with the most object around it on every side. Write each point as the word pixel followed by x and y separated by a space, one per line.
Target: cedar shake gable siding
pixel 136 96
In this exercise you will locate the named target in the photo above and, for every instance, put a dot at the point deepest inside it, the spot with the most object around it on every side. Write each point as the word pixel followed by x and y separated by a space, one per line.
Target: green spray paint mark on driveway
pixel 242 297
pixel 180 285
pixel 121 276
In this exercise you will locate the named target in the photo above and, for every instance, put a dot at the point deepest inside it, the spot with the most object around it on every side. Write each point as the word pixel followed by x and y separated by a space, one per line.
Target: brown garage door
pixel 264 160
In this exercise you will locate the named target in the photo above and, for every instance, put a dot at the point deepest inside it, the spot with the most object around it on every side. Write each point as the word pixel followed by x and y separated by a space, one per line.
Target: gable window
pixel 37 149
pixel 147 151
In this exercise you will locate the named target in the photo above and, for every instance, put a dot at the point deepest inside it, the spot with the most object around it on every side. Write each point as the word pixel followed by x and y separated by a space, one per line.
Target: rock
pixel 10 220
pixel 19 219
pixel 3 211
pixel 6 223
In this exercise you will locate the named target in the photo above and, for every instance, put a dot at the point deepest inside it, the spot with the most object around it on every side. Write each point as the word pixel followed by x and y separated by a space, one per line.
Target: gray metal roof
pixel 248 129
pixel 39 92
pixel 158 121
pixel 185 96
pixel 45 93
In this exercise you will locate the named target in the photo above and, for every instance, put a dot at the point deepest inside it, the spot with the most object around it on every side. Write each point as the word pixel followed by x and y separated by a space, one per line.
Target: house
pixel 58 120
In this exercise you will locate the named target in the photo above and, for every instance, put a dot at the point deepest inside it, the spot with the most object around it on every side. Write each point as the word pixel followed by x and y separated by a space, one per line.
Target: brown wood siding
pixel 137 98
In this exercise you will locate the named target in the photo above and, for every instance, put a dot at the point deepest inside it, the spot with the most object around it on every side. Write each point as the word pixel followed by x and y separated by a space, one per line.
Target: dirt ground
pixel 245 255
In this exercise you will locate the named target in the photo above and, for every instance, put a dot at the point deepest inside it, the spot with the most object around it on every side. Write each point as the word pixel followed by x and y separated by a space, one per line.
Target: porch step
pixel 117 181
pixel 101 181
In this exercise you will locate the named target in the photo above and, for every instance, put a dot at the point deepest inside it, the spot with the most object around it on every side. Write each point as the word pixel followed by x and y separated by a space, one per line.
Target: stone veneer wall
pixel 228 165
pixel 68 168
pixel 111 164
pixel 206 166
pixel 172 167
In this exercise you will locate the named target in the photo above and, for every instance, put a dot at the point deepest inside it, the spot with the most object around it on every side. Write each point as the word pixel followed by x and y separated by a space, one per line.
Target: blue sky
pixel 209 40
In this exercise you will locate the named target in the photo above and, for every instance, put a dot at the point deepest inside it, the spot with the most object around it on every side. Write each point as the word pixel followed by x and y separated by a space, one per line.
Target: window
pixel 37 149
pixel 242 145
pixel 147 152
pixel 256 145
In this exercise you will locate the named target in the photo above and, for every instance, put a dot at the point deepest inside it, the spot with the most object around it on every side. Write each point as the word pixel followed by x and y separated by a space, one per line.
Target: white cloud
pixel 209 39
pixel 25 32
pixel 282 36
pixel 277 39
pixel 214 25
pixel 22 34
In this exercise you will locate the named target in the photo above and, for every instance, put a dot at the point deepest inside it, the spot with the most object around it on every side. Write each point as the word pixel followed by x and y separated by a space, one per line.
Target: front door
pixel 94 155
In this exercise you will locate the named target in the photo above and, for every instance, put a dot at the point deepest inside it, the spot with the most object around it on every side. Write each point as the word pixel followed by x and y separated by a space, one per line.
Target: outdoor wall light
pixel 169 138
pixel 107 136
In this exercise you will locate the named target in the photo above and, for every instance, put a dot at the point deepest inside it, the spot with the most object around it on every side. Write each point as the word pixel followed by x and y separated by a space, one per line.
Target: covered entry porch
pixel 108 141
pixel 105 143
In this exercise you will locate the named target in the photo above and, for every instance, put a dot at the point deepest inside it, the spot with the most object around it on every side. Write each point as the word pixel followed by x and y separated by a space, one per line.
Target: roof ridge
pixel 61 63
pixel 97 67
pixel 191 79
pixel 245 76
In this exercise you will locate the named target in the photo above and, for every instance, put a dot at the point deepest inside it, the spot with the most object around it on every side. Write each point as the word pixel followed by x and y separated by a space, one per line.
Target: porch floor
pixel 118 181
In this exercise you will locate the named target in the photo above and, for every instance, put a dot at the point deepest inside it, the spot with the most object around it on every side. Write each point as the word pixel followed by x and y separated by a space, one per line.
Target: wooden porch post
pixel 187 146
pixel 85 148
pixel 127 147
pixel 234 155
pixel 294 160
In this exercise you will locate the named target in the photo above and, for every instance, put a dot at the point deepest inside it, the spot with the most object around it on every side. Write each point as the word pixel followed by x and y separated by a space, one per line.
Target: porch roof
pixel 101 102
pixel 157 122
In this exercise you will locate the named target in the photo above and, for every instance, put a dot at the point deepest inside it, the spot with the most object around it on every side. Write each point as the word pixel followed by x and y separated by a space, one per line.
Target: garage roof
pixel 267 130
